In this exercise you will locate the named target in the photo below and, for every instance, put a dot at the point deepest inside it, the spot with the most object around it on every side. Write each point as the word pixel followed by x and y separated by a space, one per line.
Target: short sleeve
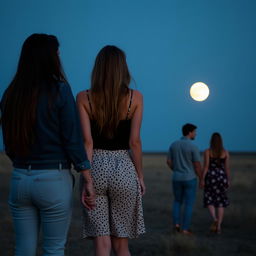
pixel 195 154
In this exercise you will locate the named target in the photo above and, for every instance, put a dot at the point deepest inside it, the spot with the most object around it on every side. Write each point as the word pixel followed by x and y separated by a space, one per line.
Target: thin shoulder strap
pixel 88 97
pixel 130 103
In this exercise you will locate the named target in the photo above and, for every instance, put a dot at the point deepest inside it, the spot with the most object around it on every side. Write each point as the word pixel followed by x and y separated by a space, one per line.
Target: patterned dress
pixel 216 184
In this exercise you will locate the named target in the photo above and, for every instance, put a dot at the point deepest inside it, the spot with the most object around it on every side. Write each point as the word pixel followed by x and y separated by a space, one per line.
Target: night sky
pixel 170 44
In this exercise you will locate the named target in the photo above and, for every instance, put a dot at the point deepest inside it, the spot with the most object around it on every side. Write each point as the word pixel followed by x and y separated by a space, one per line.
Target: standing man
pixel 184 159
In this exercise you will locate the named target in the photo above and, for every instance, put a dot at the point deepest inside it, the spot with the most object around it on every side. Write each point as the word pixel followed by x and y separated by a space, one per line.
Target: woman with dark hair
pixel 111 116
pixel 42 137
pixel 216 180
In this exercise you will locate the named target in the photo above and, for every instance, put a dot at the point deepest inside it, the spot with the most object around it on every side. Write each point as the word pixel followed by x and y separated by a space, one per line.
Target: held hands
pixel 201 183
pixel 88 196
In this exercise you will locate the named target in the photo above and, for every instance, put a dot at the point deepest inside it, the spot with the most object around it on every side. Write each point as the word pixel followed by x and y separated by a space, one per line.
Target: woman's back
pixel 42 136
pixel 121 135
pixel 52 129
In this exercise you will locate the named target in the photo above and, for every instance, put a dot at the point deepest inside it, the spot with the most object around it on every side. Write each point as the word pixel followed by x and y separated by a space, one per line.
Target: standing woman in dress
pixel 111 116
pixel 216 180
pixel 42 137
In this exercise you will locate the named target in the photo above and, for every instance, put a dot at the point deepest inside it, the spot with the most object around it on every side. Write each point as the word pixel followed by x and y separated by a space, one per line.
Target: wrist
pixel 87 176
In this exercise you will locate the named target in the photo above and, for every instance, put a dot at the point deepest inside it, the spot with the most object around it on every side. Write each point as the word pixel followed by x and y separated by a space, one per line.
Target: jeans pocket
pixel 48 189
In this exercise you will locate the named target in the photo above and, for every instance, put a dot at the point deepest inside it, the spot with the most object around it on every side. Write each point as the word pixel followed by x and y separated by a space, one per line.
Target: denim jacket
pixel 58 136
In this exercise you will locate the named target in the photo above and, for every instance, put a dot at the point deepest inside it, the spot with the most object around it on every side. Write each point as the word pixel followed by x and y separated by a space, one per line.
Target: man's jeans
pixel 41 198
pixel 184 192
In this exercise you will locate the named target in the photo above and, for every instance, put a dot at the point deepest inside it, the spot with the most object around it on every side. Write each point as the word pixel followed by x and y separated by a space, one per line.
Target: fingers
pixel 88 202
pixel 87 206
pixel 142 188
pixel 88 198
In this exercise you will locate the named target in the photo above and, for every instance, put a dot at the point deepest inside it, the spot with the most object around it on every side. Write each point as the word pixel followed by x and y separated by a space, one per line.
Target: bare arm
pixel 206 163
pixel 198 169
pixel 227 168
pixel 205 167
pixel 85 124
pixel 88 193
pixel 135 141
pixel 169 163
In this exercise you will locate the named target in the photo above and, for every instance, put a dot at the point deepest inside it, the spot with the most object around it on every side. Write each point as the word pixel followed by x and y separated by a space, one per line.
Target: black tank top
pixel 120 141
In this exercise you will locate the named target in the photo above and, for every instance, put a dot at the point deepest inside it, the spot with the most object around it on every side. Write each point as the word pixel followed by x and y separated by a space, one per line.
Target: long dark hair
pixel 39 69
pixel 109 85
pixel 216 145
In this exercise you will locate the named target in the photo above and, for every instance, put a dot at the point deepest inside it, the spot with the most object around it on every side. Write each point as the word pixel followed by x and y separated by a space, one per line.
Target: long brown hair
pixel 39 69
pixel 216 145
pixel 109 85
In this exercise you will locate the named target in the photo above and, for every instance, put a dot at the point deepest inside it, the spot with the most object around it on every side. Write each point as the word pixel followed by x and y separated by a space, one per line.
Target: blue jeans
pixel 184 192
pixel 41 199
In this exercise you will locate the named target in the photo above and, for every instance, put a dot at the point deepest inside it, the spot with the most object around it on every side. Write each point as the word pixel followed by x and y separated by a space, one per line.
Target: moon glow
pixel 199 91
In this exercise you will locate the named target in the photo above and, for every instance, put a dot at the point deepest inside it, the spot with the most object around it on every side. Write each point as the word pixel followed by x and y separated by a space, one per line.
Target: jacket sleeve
pixel 70 129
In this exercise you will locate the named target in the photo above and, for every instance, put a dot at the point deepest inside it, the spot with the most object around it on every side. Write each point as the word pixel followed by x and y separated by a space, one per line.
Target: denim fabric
pixel 41 199
pixel 184 192
pixel 58 135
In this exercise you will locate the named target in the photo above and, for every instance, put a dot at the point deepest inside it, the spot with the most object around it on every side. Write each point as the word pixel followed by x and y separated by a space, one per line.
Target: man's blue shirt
pixel 183 153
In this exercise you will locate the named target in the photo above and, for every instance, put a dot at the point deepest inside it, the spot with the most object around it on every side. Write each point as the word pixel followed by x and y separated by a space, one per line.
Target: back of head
pixel 39 69
pixel 109 84
pixel 216 145
pixel 187 128
pixel 39 61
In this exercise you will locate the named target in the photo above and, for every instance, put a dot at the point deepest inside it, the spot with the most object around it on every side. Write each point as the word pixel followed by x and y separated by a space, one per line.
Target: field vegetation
pixel 239 227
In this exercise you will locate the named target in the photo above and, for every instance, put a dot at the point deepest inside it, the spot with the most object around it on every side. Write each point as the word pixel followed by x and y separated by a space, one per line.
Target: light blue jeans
pixel 41 199
pixel 184 192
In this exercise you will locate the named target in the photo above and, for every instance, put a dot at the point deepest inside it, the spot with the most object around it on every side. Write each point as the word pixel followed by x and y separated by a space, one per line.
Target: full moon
pixel 199 91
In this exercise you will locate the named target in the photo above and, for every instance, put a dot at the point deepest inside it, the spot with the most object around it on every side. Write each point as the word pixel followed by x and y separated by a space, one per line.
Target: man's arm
pixel 169 163
pixel 169 158
pixel 198 169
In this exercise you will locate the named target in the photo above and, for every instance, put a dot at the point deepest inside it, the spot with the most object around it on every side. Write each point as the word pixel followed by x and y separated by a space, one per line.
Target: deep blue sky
pixel 170 44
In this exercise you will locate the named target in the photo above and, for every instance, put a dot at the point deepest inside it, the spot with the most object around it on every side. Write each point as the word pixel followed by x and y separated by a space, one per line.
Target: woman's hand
pixel 88 196
pixel 142 186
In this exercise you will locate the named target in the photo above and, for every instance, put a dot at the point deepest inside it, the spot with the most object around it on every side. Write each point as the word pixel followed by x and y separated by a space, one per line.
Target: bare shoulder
pixel 207 151
pixel 226 153
pixel 138 97
pixel 81 97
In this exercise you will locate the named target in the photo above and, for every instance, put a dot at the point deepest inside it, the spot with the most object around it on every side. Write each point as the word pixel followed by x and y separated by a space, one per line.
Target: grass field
pixel 239 227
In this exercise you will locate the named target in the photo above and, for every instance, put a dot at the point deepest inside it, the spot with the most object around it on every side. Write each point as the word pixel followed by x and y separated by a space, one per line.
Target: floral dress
pixel 216 184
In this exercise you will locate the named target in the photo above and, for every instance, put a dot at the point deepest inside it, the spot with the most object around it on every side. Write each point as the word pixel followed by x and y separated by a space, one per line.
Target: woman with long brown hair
pixel 111 116
pixel 42 137
pixel 216 180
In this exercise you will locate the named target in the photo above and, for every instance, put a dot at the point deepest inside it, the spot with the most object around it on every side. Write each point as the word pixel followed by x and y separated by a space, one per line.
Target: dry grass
pixel 239 225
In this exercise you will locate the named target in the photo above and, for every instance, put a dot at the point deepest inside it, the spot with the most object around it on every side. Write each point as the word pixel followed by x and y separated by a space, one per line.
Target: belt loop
pixel 29 167
pixel 60 166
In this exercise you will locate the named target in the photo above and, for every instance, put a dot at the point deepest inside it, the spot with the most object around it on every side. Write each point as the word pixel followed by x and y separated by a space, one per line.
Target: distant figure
pixel 184 159
pixel 42 137
pixel 111 116
pixel 216 180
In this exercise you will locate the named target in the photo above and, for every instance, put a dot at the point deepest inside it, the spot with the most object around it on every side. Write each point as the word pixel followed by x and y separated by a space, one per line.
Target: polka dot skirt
pixel 118 210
